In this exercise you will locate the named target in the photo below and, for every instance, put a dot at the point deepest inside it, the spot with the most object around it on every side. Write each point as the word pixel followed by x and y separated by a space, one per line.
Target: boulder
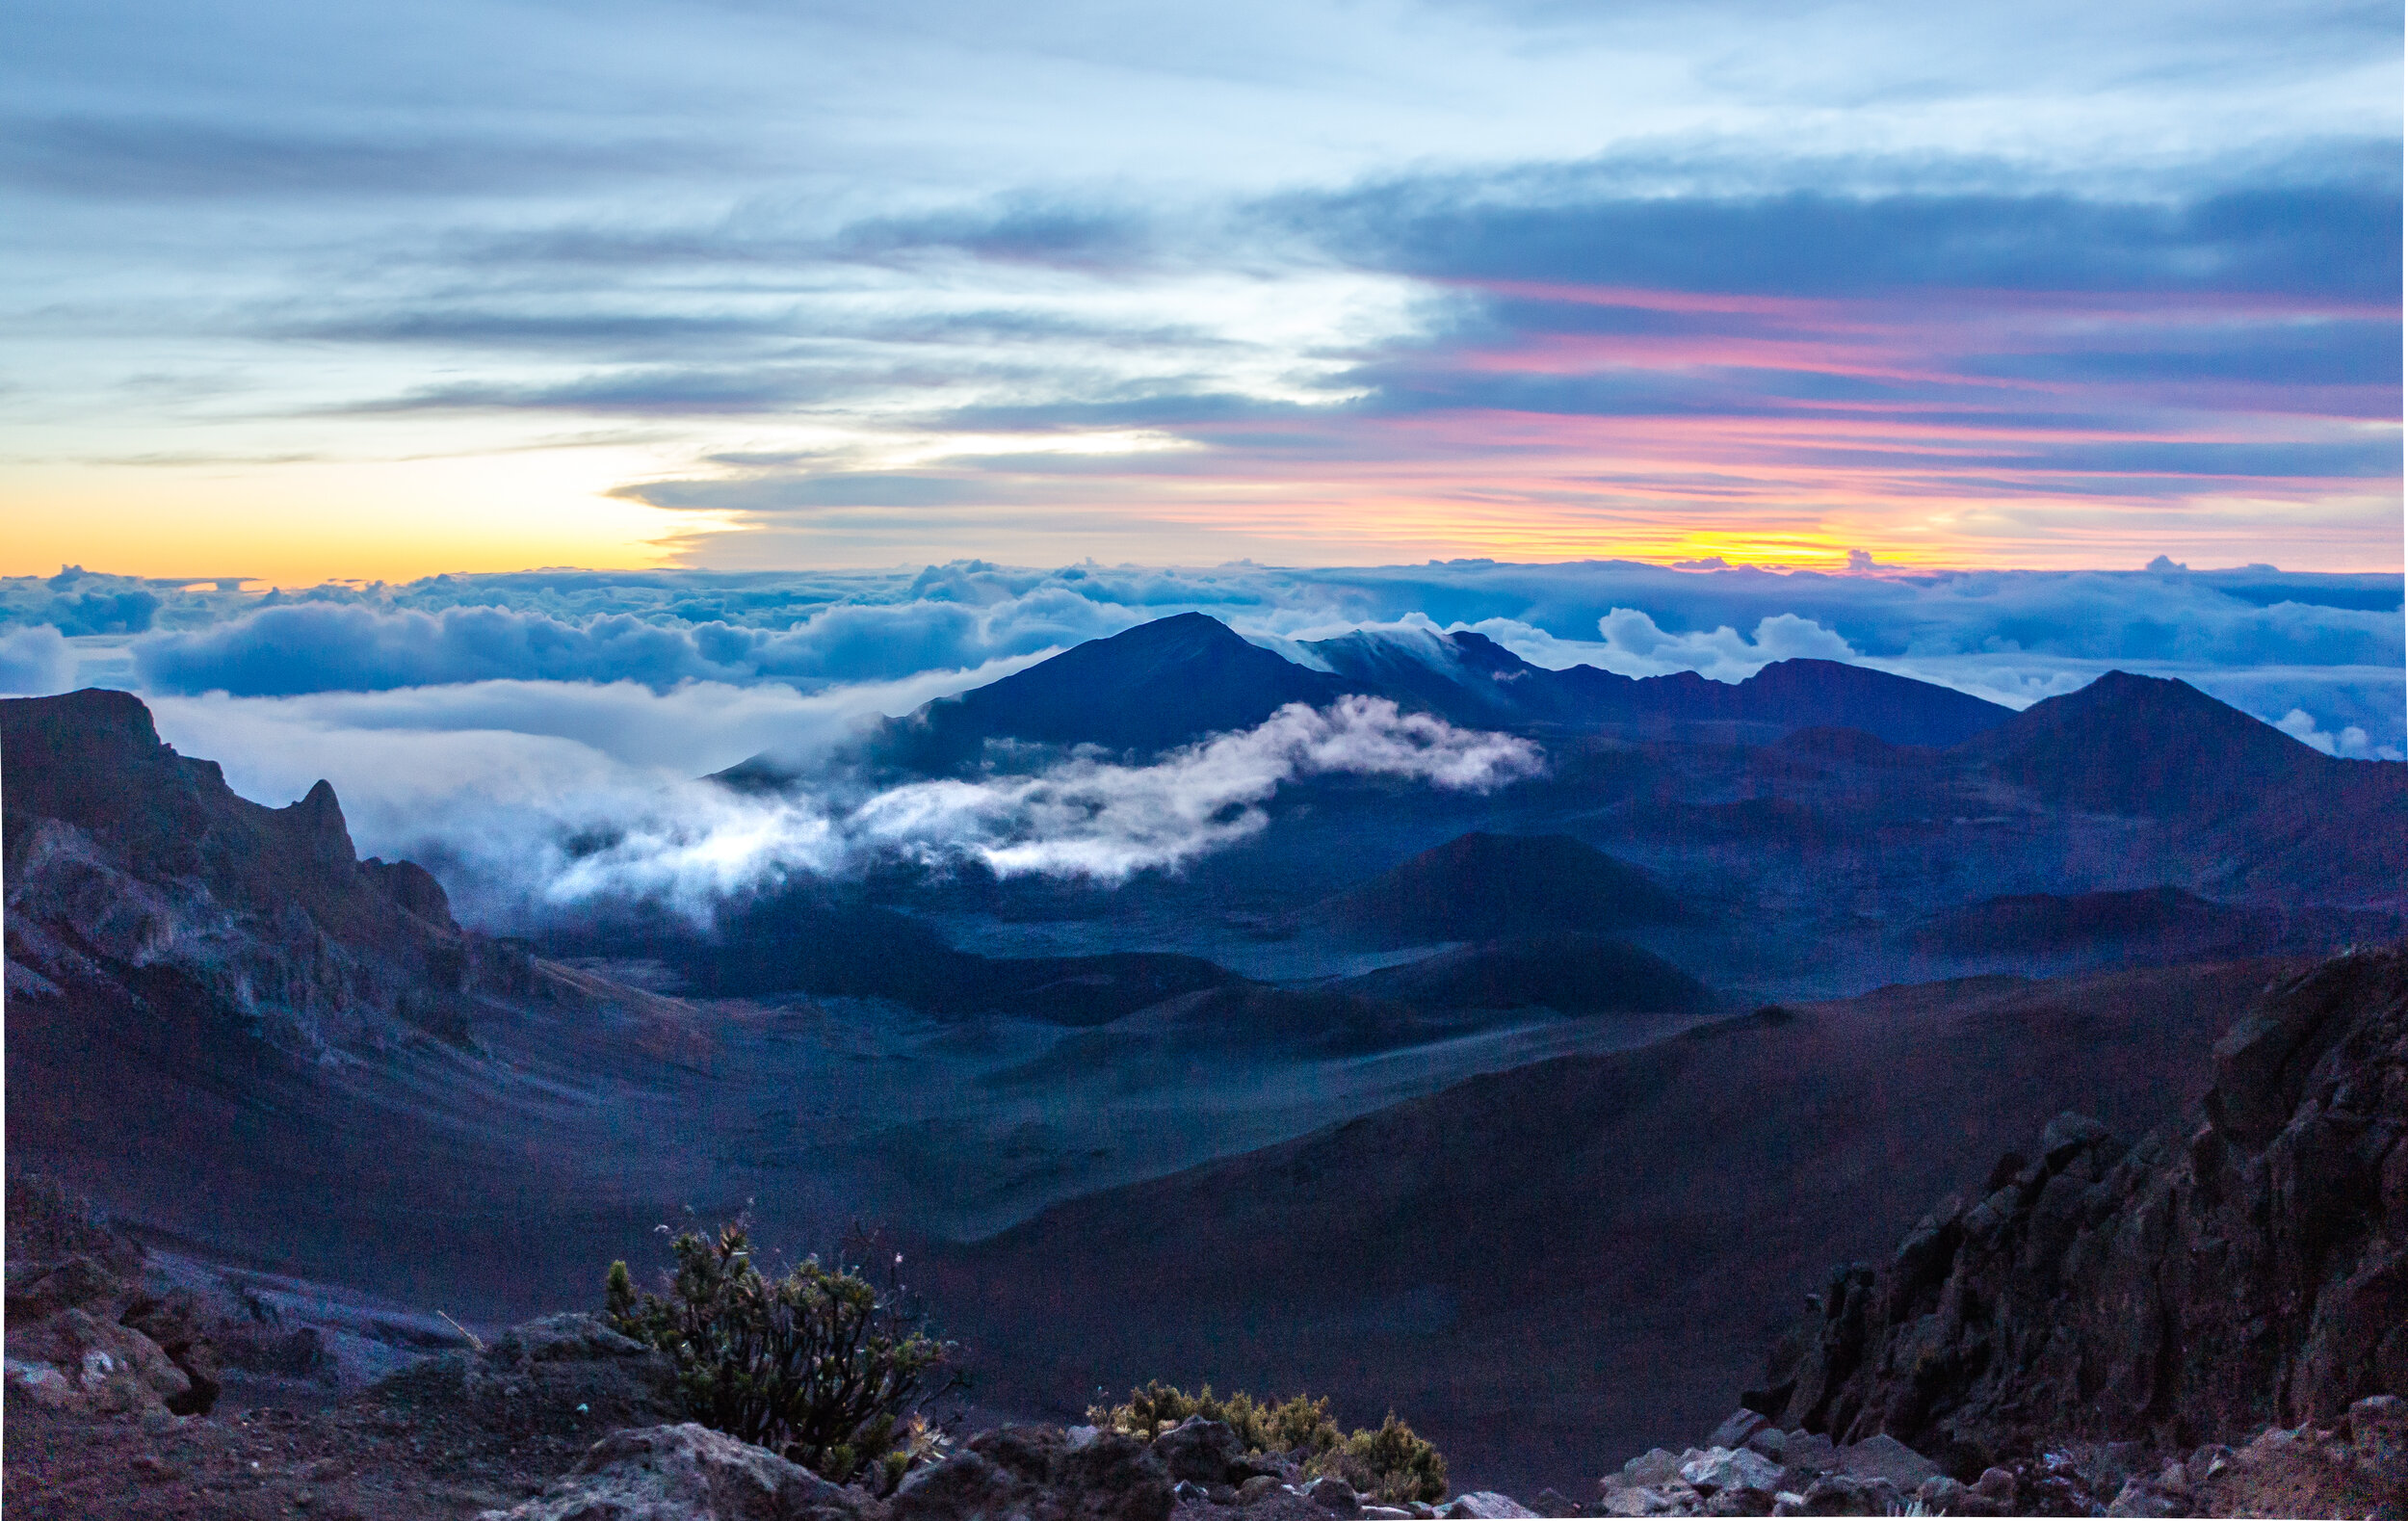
pixel 1721 1468
pixel 1653 1467
pixel 1202 1452
pixel 1483 1505
pixel 1549 1503
pixel 685 1473
pixel 2378 1429
pixel 1847 1495
pixel 1736 1428
pixel 1885 1457
pixel 1257 1488
pixel 1034 1471
pixel 1809 1451
pixel 1337 1497
pixel 569 1337
pixel 72 1362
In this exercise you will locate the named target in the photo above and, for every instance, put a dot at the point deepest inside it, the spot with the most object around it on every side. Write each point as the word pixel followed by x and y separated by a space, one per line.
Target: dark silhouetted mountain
pixel 2282 817
pixel 1553 1268
pixel 1567 971
pixel 1180 679
pixel 1144 691
pixel 1481 886
pixel 1471 679
pixel 2146 745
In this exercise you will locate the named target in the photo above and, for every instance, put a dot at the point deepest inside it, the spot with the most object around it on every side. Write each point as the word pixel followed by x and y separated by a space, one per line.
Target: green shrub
pixel 1392 1463
pixel 1302 1422
pixel 819 1365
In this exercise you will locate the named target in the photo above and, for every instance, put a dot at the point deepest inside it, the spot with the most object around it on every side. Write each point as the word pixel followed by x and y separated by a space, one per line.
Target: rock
pixel 2139 1497
pixel 685 1473
pixel 568 1337
pixel 1736 1428
pixel 1259 1488
pixel 1721 1468
pixel 1653 1467
pixel 1337 1497
pixel 2378 1430
pixel 1771 1442
pixel 1386 1514
pixel 1482 1505
pixel 1549 1503
pixel 1221 1494
pixel 2066 1135
pixel 1885 1456
pixel 1810 1450
pixel 1996 1484
pixel 1188 1491
pixel 1031 1470
pixel 1200 1450
pixel 1850 1495
pixel 2264 1235
pixel 73 1284
pixel 74 1363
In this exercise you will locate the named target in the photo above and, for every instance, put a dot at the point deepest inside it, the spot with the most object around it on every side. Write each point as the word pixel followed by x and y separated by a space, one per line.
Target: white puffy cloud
pixel 36 662
pixel 521 822
pixel 2350 743
pixel 321 646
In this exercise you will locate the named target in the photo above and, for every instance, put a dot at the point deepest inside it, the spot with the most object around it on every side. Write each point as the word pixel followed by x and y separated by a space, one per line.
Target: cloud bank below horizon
pixel 534 710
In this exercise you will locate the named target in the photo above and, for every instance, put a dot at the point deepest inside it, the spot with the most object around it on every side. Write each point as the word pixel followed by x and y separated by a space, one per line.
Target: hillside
pixel 1479 886
pixel 1568 972
pixel 1558 1266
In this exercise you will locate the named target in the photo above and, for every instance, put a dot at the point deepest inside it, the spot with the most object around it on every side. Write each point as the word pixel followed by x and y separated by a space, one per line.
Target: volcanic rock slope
pixel 1558 1266
pixel 2247 1267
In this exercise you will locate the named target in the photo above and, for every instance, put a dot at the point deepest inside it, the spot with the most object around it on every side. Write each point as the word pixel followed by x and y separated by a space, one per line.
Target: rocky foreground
pixel 2209 1324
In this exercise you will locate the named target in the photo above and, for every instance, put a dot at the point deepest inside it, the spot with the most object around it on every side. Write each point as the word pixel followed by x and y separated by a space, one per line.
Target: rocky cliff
pixel 2249 1269
pixel 137 878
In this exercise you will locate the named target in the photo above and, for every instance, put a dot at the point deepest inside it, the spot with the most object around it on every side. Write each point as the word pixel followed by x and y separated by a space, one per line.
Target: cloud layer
pixel 522 822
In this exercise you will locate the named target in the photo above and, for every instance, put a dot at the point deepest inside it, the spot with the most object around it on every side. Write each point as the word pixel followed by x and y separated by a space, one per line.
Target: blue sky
pixel 304 292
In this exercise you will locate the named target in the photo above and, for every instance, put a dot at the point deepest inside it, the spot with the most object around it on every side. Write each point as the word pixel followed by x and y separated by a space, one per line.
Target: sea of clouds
pixel 538 735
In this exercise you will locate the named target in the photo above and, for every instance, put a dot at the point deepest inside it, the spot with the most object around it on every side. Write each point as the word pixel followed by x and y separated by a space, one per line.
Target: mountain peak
pixel 1144 690
pixel 2145 745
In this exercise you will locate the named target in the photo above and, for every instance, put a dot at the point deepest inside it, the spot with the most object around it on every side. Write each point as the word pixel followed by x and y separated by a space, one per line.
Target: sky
pixel 302 293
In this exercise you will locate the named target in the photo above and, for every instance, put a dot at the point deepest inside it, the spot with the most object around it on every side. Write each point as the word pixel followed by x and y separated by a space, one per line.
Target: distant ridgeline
pixel 1178 679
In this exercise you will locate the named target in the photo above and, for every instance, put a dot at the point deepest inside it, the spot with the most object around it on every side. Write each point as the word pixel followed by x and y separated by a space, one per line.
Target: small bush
pixel 819 1365
pixel 1301 1423
pixel 1392 1463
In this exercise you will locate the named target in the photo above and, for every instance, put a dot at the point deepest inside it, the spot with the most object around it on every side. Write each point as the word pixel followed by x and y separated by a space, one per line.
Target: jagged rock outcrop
pixel 85 1336
pixel 135 877
pixel 687 1473
pixel 1042 1472
pixel 2185 1289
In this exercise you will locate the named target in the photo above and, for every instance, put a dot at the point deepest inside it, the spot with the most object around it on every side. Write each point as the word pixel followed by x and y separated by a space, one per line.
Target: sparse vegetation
pixel 820 1364
pixel 1391 1464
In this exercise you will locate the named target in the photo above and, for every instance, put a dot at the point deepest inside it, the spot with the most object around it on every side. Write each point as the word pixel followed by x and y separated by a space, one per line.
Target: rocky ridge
pixel 137 877
pixel 2250 1272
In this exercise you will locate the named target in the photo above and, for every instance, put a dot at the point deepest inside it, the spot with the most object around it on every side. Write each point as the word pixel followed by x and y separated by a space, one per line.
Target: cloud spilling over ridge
pixel 522 824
